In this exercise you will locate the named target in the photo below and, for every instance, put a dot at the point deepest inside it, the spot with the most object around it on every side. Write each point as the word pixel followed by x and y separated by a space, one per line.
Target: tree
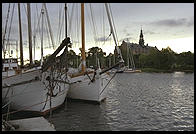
pixel 167 58
pixel 94 54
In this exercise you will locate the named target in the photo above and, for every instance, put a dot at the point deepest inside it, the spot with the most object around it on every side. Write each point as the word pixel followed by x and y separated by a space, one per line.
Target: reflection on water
pixel 138 101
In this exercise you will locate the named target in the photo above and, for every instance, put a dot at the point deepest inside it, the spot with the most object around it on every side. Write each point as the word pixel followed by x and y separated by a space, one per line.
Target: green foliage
pixel 166 59
pixel 93 55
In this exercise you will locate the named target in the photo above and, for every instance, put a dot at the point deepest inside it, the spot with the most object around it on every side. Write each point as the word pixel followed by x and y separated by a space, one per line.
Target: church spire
pixel 141 40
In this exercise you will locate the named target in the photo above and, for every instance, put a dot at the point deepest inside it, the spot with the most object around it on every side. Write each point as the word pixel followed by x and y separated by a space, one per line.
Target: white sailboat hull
pixel 82 88
pixel 31 94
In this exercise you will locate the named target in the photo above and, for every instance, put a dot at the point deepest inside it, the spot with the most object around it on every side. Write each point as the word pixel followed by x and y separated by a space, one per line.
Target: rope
pixel 70 26
pixel 60 25
pixel 6 104
pixel 38 26
pixel 25 9
pixel 6 93
pixel 58 29
pixel 108 82
pixel 93 79
pixel 47 31
pixel 94 25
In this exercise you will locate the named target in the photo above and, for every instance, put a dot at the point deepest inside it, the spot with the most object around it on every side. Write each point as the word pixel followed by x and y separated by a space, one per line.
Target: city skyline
pixel 163 24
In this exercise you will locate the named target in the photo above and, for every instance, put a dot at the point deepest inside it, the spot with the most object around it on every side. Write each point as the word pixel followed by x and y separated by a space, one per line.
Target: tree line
pixel 166 59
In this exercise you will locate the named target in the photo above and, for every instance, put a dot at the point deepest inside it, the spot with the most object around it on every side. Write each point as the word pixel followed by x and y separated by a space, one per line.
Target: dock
pixel 32 124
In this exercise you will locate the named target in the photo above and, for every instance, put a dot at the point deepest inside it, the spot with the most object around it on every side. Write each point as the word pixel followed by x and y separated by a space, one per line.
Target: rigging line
pixel 72 10
pixel 104 25
pixel 10 27
pixel 77 40
pixel 6 29
pixel 25 9
pixel 107 39
pixel 93 22
pixel 59 21
pixel 61 28
pixel 108 82
pixel 6 104
pixel 47 31
pixel 38 29
pixel 34 25
pixel 92 27
pixel 77 27
pixel 115 33
pixel 70 21
pixel 49 25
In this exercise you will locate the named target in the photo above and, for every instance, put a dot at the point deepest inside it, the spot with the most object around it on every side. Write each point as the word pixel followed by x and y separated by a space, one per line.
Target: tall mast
pixel 66 57
pixel 3 45
pixel 112 31
pixel 65 20
pixel 20 33
pixel 83 38
pixel 127 56
pixel 42 12
pixel 17 49
pixel 29 32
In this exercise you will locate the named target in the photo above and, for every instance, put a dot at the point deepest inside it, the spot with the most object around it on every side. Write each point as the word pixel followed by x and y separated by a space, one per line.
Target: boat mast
pixel 112 31
pixel 65 20
pixel 29 32
pixel 127 57
pixel 3 45
pixel 83 38
pixel 42 12
pixel 66 57
pixel 17 50
pixel 20 33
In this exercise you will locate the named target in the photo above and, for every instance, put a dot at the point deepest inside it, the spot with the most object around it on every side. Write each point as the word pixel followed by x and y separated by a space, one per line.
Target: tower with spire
pixel 141 40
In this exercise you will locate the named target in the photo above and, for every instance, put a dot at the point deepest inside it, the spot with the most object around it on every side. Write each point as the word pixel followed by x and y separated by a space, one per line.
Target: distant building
pixel 138 48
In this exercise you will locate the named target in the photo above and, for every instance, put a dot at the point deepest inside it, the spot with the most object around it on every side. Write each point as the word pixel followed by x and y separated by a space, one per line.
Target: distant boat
pixel 39 89
pixel 90 84
pixel 130 60
pixel 9 67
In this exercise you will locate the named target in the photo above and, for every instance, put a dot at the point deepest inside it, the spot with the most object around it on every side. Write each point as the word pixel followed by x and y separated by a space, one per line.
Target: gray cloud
pixel 128 34
pixel 130 39
pixel 102 39
pixel 190 22
pixel 150 32
pixel 174 22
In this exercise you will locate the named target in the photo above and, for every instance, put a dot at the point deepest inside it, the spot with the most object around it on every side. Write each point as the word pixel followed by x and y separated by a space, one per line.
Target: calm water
pixel 136 102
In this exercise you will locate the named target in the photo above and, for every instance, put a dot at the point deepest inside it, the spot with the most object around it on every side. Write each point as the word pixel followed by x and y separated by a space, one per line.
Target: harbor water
pixel 135 102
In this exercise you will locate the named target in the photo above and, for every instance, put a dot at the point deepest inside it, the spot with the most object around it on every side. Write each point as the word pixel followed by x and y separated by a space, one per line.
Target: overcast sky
pixel 163 24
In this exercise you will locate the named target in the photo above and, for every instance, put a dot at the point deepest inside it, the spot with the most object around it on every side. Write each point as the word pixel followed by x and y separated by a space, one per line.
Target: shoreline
pixel 154 70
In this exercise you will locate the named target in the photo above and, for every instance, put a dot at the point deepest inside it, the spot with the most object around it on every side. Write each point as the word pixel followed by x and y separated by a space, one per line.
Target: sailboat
pixel 39 89
pixel 128 68
pixel 91 85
